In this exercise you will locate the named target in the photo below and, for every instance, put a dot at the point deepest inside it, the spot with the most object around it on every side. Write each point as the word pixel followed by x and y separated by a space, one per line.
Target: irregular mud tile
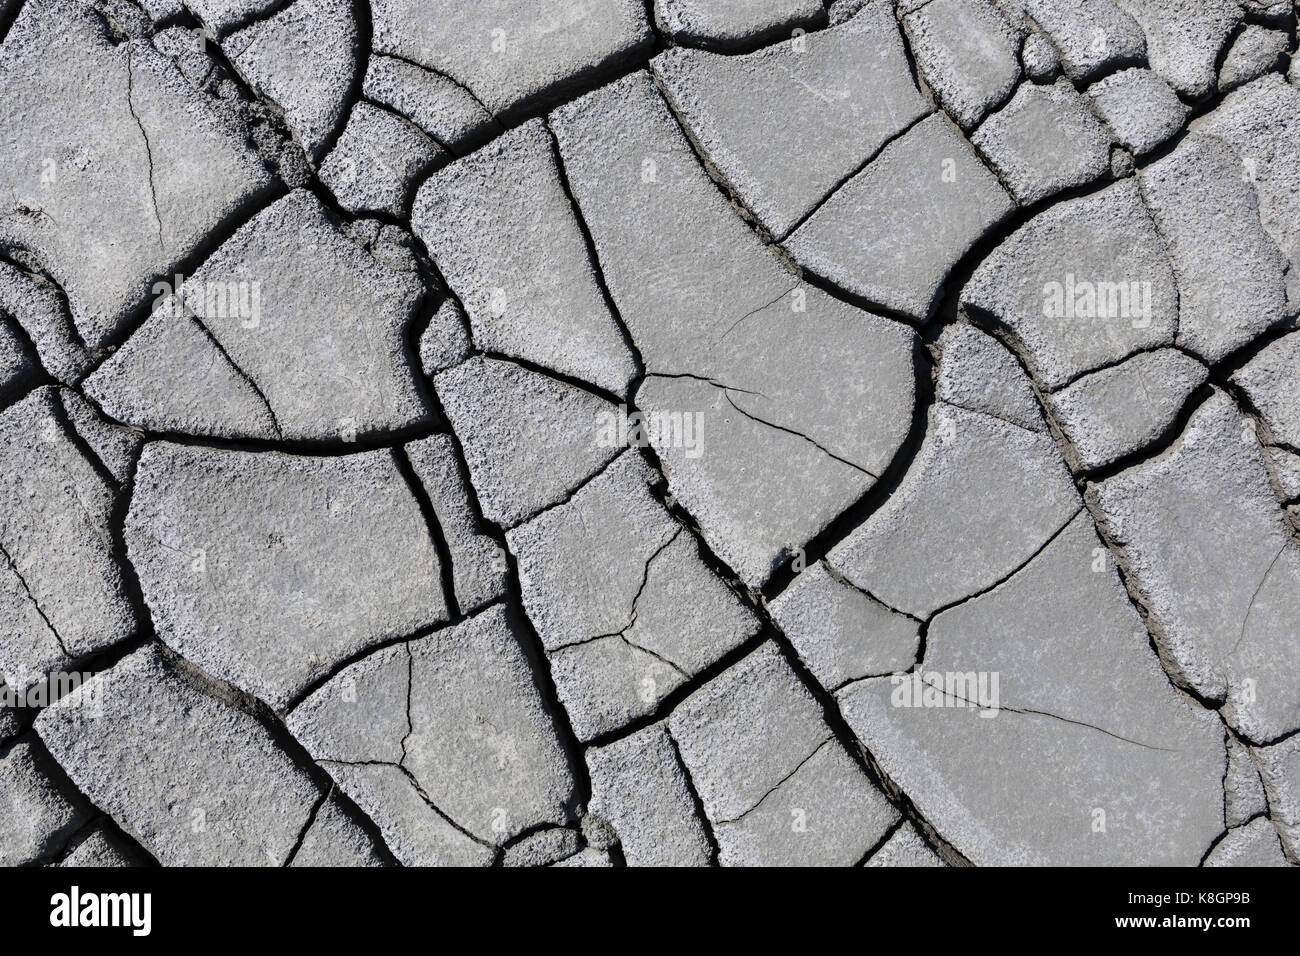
pixel 905 848
pixel 892 233
pixel 1231 277
pixel 334 839
pixel 1259 122
pixel 543 848
pixel 305 60
pixel 1049 676
pixel 63 595
pixel 1279 768
pixel 1043 141
pixel 587 857
pixel 1093 36
pixel 503 232
pixel 445 341
pixel 171 377
pixel 36 306
pixel 478 564
pixel 849 89
pixel 513 54
pixel 1108 414
pixel 977 373
pixel 108 192
pixel 825 814
pixel 268 569
pixel 841 633
pixel 1081 286
pixel 1255 844
pixel 1243 791
pixel 41 813
pixel 17 364
pixel 980 499
pixel 1208 554
pixel 1185 37
pixel 435 103
pixel 1139 107
pixel 727 24
pixel 528 439
pixel 1285 467
pixel 1274 10
pixel 486 757
pixel 115 446
pixel 746 731
pixel 1042 63
pixel 315 321
pixel 193 778
pixel 1271 380
pixel 640 787
pixel 1256 51
pixel 966 51
pixel 377 161
pixel 102 849
pixel 221 15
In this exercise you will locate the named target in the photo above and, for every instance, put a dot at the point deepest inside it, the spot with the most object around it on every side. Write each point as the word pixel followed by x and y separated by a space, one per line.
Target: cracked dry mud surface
pixel 649 432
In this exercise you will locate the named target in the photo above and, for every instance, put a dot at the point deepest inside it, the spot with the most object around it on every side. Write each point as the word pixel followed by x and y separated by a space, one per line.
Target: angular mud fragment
pixel 117 448
pixel 519 262
pixel 977 373
pixel 41 811
pixel 1279 768
pixel 1184 39
pixel 1093 36
pixel 849 88
pixel 327 556
pixel 445 340
pixel 377 162
pixel 334 839
pixel 1243 791
pixel 1255 844
pixel 1256 51
pixel 101 848
pixel 40 310
pixel 446 776
pixel 1271 380
pixel 1139 107
pixel 1204 546
pixel 543 848
pixel 432 101
pixel 183 770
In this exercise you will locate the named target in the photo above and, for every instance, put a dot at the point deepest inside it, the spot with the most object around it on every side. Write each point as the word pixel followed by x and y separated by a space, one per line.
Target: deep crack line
pixel 148 149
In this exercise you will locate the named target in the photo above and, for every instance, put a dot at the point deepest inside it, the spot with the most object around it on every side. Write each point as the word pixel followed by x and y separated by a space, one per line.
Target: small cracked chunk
pixel 1184 39
pixel 190 776
pixel 1093 36
pixel 1231 276
pixel 726 24
pixel 303 59
pixel 446 776
pixel 543 848
pixel 893 232
pixel 1256 51
pixel 905 848
pixel 141 173
pixel 529 439
pixel 478 564
pixel 377 162
pixel 638 785
pixel 622 601
pixel 41 811
pixel 293 316
pixel 979 374
pixel 1048 675
pixel 841 633
pixel 445 340
pixel 1259 122
pixel 966 51
pixel 1279 769
pixel 116 447
pixel 981 497
pixel 1255 844
pixel 39 309
pixel 433 102
pixel 1271 380
pixel 513 54
pixel 1139 107
pixel 1243 791
pixel 1041 62
pixel 101 848
pixel 775 784
pixel 1043 141
pixel 503 232
pixel 1286 472
pixel 268 569
pixel 1108 414
pixel 1205 547
pixel 62 594
pixel 335 839
pixel 755 115
pixel 1081 286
